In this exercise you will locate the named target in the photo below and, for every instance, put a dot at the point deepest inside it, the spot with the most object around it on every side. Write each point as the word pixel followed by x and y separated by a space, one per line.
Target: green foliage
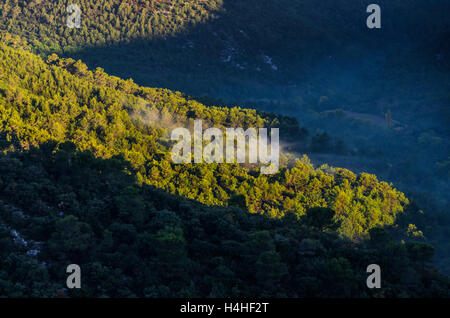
pixel 86 175
pixel 108 22
pixel 64 101
pixel 321 219
pixel 86 178
pixel 174 247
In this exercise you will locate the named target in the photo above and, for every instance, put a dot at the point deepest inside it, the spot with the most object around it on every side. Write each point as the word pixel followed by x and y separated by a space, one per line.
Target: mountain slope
pixel 87 178
pixel 293 56
pixel 227 48
pixel 77 186
pixel 59 206
pixel 109 116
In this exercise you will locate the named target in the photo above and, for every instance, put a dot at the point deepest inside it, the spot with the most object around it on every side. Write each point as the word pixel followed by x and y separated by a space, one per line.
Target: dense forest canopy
pixel 86 174
pixel 203 36
pixel 62 100
pixel 86 181
pixel 316 62
pixel 59 206
pixel 181 43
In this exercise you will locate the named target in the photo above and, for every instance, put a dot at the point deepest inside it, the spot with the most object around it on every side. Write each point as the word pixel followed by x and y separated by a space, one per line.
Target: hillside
pixel 294 57
pixel 233 49
pixel 59 206
pixel 290 56
pixel 79 183
pixel 109 116
pixel 86 174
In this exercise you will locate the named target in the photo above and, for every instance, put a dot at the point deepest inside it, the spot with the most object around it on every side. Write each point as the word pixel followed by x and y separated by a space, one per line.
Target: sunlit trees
pixel 135 240
pixel 62 100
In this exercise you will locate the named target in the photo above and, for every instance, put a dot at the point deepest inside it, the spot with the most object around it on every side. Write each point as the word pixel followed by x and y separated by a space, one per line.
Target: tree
pixel 388 118
pixel 321 218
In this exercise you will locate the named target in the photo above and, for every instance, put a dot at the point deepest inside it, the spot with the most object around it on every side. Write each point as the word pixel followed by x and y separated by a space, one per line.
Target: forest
pixel 87 175
pixel 85 180
pixel 68 206
pixel 62 100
